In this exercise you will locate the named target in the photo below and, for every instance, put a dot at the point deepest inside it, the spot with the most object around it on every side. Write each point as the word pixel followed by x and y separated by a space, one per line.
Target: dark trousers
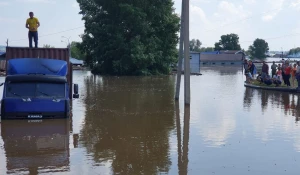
pixel 268 82
pixel 273 73
pixel 287 79
pixel 298 80
pixel 283 77
pixel 277 82
pixel 33 35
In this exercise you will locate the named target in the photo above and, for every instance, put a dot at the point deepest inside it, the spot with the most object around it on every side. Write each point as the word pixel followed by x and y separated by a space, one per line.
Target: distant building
pixel 76 62
pixel 223 57
pixel 2 54
pixel 194 62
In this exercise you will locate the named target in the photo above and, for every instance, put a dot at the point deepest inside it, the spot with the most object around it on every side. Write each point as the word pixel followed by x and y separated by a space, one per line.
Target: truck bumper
pixel 21 111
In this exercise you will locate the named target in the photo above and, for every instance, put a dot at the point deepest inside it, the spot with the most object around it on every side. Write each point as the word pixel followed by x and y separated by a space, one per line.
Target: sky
pixel 276 21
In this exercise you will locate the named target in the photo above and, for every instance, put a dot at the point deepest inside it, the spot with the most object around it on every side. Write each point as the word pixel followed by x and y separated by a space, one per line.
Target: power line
pixel 273 38
pixel 244 19
pixel 50 34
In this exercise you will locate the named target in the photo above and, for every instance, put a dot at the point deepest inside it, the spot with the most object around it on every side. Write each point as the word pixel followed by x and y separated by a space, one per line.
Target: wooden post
pixel 187 70
pixel 180 54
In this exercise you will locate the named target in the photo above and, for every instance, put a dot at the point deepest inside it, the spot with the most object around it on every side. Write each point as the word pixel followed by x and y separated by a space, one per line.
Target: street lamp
pixel 69 45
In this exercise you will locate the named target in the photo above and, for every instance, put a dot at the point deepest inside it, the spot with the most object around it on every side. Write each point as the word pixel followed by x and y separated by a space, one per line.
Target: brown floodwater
pixel 132 125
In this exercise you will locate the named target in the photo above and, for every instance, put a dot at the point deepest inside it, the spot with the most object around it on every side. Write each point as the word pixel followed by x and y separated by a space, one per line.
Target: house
pixel 2 54
pixel 194 62
pixel 76 62
pixel 223 57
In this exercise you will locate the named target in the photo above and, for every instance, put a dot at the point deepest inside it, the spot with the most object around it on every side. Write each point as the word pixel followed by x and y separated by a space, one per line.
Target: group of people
pixel 280 73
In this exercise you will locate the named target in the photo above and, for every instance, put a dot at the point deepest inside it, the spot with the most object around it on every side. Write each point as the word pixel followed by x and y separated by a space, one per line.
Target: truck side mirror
pixel 75 95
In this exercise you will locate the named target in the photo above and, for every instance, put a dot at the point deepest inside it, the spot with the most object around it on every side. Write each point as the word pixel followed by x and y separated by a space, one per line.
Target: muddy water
pixel 132 125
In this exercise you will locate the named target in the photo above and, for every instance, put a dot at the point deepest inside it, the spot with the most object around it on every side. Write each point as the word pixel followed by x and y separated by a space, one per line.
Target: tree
pixel 206 49
pixel 47 46
pixel 259 49
pixel 145 146
pixel 76 51
pixel 125 37
pixel 228 42
pixel 195 45
pixel 294 51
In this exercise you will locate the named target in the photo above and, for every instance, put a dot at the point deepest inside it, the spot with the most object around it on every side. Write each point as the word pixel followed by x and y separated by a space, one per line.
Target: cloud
pixel 249 1
pixel 231 9
pixel 276 7
pixel 38 1
pixel 197 15
pixel 296 4
pixel 201 1
pixel 7 20
pixel 75 5
pixel 4 3
pixel 228 14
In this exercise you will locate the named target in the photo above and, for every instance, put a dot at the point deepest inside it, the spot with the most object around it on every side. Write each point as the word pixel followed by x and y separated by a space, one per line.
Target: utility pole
pixel 186 37
pixel 180 54
pixel 7 43
pixel 69 45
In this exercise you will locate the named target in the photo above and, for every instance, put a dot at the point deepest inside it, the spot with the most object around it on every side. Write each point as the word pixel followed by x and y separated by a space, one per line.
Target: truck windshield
pixel 33 89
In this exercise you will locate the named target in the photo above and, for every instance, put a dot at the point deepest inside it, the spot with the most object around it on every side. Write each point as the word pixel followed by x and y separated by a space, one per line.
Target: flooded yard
pixel 132 125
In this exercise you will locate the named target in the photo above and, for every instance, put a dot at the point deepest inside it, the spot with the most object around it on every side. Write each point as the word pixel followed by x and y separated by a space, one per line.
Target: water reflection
pixel 128 123
pixel 222 70
pixel 36 147
pixel 178 129
pixel 185 148
pixel 288 102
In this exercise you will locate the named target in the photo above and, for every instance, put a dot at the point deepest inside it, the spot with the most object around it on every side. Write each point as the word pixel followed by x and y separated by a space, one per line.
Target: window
pixel 20 89
pixel 50 90
pixel 35 89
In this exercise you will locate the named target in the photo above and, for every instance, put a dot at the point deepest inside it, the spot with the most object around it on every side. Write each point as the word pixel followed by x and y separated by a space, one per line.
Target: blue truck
pixel 37 88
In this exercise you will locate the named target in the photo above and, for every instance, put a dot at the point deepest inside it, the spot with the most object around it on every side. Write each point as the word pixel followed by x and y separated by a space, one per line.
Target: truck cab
pixel 36 88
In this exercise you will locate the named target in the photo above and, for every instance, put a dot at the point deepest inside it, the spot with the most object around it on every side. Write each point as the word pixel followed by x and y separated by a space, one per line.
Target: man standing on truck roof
pixel 32 24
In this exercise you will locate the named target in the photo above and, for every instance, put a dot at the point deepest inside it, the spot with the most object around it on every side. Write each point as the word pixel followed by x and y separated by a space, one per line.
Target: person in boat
pixel 287 73
pixel 246 66
pixel 293 74
pixel 297 75
pixel 276 80
pixel 274 67
pixel 251 71
pixel 258 78
pixel 264 70
pixel 267 80
pixel 279 73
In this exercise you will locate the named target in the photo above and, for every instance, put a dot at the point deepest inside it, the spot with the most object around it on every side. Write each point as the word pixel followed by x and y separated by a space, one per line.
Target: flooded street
pixel 132 125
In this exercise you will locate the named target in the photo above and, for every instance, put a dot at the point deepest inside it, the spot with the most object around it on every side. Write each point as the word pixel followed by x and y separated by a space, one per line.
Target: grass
pixel 258 83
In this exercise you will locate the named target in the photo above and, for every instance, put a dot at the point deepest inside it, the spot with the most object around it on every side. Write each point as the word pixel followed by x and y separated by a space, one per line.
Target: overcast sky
pixel 277 21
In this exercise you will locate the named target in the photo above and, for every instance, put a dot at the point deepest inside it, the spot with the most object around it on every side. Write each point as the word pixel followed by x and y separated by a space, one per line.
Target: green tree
pixel 228 42
pixel 76 52
pixel 258 49
pixel 129 37
pixel 195 45
pixel 294 51
pixel 47 46
pixel 206 49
